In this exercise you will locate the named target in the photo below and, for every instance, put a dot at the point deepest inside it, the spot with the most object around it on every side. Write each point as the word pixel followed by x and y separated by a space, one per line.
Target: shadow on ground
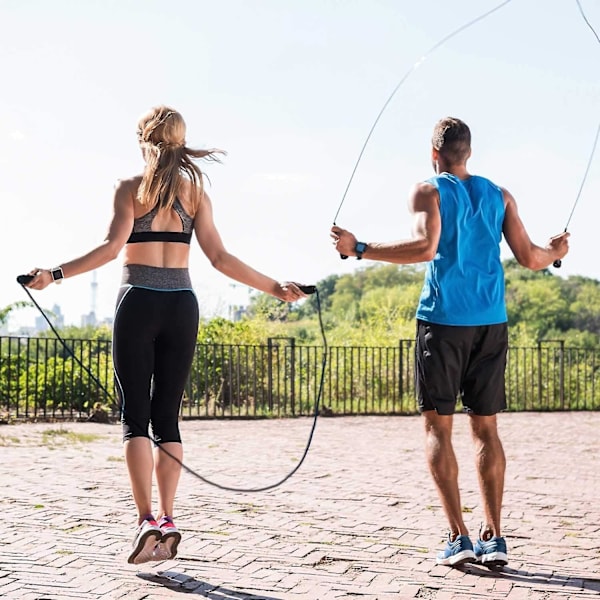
pixel 186 584
pixel 514 575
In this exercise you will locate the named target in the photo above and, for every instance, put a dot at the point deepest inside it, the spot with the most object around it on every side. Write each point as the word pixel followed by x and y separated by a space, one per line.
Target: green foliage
pixel 5 312
pixel 264 306
pixel 375 306
pixel 251 331
pixel 369 310
pixel 326 289
pixel 585 306
pixel 537 302
pixel 89 332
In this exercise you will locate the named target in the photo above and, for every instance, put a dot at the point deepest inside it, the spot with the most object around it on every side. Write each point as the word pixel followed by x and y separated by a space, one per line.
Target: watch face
pixel 360 247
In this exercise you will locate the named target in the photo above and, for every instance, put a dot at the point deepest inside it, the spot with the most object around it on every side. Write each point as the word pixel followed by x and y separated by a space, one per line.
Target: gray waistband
pixel 156 278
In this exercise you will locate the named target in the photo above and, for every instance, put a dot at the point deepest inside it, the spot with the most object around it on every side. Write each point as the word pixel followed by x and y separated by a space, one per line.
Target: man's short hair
pixel 452 139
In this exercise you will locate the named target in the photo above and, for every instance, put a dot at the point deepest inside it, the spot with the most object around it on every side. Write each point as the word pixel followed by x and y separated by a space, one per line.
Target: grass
pixel 75 528
pixel 6 440
pixel 54 436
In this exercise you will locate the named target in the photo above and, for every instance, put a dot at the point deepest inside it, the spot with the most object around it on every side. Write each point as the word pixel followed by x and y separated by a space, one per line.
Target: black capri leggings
pixel 154 339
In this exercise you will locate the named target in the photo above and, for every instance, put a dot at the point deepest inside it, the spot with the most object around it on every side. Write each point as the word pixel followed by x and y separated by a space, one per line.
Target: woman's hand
pixel 288 291
pixel 41 278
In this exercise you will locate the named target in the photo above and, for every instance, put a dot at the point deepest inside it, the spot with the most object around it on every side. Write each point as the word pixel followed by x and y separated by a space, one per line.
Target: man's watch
pixel 57 274
pixel 360 248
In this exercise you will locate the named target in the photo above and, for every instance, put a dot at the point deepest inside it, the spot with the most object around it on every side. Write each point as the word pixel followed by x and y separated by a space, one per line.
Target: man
pixel 462 338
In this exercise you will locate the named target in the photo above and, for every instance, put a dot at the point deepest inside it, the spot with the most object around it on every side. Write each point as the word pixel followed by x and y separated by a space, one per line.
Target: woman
pixel 156 318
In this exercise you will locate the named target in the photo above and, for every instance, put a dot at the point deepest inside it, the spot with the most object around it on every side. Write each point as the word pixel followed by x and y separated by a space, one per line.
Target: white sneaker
pixel 167 547
pixel 148 535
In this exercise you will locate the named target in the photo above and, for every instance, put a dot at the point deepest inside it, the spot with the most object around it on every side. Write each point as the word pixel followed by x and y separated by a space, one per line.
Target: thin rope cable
pixel 399 85
pixel 558 262
pixel 586 20
pixel 587 170
pixel 177 460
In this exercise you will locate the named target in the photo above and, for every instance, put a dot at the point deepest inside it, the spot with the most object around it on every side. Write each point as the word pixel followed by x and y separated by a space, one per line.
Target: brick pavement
pixel 359 520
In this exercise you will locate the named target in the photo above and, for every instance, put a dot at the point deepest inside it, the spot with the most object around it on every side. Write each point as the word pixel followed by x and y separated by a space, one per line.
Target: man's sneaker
pixel 147 536
pixel 457 552
pixel 167 548
pixel 491 553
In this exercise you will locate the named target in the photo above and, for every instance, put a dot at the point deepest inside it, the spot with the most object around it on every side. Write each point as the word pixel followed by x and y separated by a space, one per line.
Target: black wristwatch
pixel 359 249
pixel 57 274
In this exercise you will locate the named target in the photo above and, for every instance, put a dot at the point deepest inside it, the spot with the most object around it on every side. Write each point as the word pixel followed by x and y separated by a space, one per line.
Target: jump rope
pixel 311 289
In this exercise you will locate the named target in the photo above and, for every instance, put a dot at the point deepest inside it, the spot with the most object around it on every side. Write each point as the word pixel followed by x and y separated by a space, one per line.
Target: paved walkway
pixel 359 520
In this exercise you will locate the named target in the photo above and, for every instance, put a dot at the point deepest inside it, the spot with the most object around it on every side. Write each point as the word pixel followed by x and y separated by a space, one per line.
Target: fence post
pixel 561 374
pixel 401 371
pixel 539 370
pixel 271 345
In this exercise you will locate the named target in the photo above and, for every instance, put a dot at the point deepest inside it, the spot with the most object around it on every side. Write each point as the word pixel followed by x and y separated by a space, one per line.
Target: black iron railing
pixel 39 379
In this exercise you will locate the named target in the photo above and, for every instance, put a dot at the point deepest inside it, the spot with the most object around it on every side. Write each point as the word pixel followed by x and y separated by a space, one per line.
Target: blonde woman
pixel 156 318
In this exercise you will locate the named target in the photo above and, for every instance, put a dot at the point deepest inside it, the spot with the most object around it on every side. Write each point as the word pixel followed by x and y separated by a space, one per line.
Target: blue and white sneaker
pixel 457 552
pixel 491 553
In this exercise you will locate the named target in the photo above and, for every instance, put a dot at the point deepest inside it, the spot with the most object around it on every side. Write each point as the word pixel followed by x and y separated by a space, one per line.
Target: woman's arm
pixel 118 233
pixel 231 266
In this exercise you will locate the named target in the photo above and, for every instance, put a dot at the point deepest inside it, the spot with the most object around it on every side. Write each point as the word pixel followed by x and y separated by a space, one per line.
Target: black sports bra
pixel 142 228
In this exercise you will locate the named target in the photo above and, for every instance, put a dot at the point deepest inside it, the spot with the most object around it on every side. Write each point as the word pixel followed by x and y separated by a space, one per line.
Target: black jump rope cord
pixel 22 279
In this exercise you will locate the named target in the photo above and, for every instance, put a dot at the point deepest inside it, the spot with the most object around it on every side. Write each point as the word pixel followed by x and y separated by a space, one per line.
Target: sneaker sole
pixel 493 560
pixel 166 549
pixel 145 546
pixel 171 541
pixel 461 558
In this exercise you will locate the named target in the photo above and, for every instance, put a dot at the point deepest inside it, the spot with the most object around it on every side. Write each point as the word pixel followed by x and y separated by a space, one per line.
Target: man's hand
pixel 559 245
pixel 343 240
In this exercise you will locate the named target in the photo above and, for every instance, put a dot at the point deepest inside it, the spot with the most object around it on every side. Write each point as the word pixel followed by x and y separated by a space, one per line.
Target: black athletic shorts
pixel 460 361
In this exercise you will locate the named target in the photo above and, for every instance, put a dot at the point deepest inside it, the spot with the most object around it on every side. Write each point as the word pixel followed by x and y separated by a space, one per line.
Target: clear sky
pixel 290 89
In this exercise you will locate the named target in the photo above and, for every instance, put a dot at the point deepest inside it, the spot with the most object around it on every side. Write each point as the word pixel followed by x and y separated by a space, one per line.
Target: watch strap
pixel 359 249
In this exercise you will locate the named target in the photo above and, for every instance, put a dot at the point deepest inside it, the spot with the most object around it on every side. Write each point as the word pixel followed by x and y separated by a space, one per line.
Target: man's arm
pixel 423 204
pixel 527 253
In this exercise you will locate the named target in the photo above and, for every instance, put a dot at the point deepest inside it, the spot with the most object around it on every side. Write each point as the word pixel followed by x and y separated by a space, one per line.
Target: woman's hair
pixel 452 139
pixel 161 133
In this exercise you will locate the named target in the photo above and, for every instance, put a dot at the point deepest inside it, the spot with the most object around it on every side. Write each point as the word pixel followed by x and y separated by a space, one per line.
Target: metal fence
pixel 40 380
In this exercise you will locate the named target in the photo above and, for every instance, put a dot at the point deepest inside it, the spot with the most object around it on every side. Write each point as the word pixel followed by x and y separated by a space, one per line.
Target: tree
pixel 5 312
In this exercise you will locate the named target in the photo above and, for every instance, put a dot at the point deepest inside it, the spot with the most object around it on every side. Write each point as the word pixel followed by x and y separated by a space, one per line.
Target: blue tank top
pixel 464 283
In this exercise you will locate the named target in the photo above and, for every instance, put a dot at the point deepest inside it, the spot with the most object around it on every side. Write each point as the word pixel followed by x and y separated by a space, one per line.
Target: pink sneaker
pixel 147 536
pixel 167 548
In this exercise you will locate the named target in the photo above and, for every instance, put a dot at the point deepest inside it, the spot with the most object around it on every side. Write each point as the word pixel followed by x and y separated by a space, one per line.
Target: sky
pixel 290 89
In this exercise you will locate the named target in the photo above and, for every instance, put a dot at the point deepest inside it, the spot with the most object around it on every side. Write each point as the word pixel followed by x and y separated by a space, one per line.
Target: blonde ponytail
pixel 161 133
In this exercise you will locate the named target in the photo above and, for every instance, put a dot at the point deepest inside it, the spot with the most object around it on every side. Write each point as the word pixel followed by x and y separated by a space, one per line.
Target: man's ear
pixel 435 156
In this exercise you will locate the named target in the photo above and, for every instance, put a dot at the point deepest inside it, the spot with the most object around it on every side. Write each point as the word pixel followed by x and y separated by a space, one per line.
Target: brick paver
pixel 359 520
